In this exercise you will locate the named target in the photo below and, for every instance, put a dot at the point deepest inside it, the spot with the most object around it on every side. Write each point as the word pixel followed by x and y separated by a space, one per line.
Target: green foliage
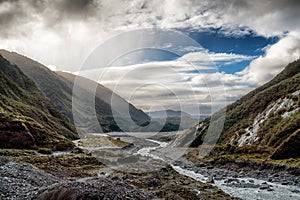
pixel 45 151
pixel 290 148
pixel 275 130
pixel 28 119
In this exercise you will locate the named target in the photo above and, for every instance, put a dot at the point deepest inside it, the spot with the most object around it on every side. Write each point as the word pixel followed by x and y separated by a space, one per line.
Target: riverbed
pixel 159 154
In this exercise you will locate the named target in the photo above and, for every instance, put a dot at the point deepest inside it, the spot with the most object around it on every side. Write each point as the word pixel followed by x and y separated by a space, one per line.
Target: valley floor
pixel 28 174
pixel 24 174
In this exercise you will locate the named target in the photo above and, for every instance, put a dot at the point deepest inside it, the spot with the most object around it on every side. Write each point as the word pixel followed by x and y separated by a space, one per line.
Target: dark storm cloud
pixel 75 6
pixel 9 1
pixel 11 14
pixel 15 13
pixel 72 10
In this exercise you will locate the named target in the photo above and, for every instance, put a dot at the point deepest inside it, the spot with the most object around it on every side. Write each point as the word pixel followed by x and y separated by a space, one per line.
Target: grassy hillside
pixel 105 98
pixel 268 116
pixel 28 119
pixel 58 88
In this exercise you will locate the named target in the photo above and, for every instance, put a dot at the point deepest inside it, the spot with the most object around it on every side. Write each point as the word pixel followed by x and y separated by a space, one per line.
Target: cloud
pixel 166 83
pixel 73 28
pixel 62 33
pixel 208 58
pixel 229 16
pixel 268 18
pixel 275 59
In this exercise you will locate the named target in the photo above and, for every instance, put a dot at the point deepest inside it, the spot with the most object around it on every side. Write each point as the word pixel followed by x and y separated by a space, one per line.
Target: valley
pixel 43 155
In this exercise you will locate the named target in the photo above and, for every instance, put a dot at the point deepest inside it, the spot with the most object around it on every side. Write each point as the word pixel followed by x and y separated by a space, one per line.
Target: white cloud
pixel 52 67
pixel 166 83
pixel 63 33
pixel 275 59
pixel 206 58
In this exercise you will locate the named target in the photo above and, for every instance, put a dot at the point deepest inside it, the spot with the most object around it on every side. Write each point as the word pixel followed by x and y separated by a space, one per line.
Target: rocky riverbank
pixel 285 172
pixel 29 175
pixel 24 181
pixel 244 179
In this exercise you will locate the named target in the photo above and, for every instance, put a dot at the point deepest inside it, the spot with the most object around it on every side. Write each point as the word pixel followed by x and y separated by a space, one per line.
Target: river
pixel 241 187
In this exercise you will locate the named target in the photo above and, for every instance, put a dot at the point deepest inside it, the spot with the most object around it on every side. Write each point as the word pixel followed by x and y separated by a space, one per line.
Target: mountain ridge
pixel 28 119
pixel 267 116
pixel 168 113
pixel 59 90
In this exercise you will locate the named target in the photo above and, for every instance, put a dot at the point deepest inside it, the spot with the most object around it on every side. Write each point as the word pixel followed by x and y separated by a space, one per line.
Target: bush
pixel 44 151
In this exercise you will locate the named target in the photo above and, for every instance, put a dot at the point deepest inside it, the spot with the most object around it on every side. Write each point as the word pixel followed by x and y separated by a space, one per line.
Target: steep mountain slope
pixel 114 102
pixel 27 118
pixel 58 88
pixel 268 116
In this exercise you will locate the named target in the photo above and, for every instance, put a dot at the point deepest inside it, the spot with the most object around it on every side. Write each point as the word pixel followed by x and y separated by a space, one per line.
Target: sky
pixel 241 45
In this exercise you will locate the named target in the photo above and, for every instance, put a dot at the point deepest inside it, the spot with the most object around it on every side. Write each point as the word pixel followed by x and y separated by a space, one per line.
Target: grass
pixel 95 141
pixel 63 166
pixel 274 131
pixel 251 154
pixel 28 118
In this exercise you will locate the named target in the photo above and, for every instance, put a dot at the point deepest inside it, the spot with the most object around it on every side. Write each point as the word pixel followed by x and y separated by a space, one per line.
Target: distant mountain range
pixel 168 113
pixel 58 88
pixel 269 116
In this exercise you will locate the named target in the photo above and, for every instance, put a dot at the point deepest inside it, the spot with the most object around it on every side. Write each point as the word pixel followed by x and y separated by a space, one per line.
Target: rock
pixel 270 180
pixel 97 188
pixel 18 181
pixel 296 191
pixel 3 161
pixel 129 146
pixel 211 180
pixel 210 167
pixel 24 181
pixel 265 187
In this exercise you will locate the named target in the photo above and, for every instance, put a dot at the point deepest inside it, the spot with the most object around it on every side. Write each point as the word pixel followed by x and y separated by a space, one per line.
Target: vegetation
pixel 275 131
pixel 58 87
pixel 73 165
pixel 27 118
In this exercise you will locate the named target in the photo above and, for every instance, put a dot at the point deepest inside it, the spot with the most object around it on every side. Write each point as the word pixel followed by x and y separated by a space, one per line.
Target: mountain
pixel 59 89
pixel 269 116
pixel 116 105
pixel 27 118
pixel 168 113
